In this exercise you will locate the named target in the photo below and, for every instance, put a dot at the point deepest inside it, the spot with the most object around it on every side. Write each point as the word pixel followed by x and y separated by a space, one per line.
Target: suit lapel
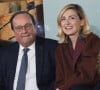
pixel 39 59
pixel 13 62
pixel 72 60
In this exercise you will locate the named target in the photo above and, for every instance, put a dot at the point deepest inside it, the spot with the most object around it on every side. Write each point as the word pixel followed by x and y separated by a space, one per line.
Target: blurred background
pixel 52 8
pixel 8 7
pixel 45 13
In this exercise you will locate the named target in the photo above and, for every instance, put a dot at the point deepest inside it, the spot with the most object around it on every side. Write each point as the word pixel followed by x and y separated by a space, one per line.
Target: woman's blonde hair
pixel 85 30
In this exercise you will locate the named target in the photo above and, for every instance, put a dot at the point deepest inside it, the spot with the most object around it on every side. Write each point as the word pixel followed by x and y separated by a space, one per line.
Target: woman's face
pixel 71 23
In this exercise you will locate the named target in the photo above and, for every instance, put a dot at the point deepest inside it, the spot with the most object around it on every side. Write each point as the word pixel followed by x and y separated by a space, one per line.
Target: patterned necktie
pixel 23 70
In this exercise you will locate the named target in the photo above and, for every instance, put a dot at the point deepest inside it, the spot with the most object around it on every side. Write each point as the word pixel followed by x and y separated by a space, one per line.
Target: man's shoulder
pixel 9 47
pixel 46 40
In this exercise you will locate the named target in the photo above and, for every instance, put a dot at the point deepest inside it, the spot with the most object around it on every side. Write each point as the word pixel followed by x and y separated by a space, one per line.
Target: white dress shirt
pixel 30 83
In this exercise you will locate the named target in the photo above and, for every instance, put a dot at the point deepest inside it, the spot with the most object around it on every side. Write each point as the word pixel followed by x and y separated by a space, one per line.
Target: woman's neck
pixel 74 40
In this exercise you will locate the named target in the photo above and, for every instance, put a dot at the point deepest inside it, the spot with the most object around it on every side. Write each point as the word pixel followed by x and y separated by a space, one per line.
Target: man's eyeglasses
pixel 27 26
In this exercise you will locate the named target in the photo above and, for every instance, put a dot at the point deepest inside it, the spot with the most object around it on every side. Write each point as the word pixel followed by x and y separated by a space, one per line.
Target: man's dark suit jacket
pixel 45 67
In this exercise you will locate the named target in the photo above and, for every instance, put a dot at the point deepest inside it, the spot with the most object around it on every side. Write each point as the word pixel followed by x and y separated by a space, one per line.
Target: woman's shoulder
pixel 93 37
pixel 92 43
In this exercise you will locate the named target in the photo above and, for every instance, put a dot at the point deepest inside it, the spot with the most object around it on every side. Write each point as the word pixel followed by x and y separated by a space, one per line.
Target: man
pixel 40 73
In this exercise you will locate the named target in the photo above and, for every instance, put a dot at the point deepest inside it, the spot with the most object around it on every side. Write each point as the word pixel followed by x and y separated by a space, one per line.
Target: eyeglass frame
pixel 27 26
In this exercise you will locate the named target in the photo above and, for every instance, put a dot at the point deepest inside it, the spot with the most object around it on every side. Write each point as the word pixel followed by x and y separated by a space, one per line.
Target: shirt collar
pixel 31 47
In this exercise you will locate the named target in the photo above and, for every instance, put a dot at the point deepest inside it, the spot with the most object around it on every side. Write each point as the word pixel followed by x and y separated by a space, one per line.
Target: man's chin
pixel 26 42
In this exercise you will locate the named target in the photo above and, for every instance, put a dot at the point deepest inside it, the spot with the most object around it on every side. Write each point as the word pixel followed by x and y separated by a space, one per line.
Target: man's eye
pixel 72 17
pixel 18 27
pixel 27 25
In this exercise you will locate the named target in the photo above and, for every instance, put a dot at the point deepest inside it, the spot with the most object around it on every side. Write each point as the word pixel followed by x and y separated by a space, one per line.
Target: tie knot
pixel 26 50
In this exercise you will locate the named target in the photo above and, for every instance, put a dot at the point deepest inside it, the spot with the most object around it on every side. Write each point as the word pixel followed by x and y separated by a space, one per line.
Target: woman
pixel 77 52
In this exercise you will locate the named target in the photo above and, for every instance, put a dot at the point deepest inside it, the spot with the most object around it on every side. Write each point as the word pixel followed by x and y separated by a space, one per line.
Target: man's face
pixel 24 29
